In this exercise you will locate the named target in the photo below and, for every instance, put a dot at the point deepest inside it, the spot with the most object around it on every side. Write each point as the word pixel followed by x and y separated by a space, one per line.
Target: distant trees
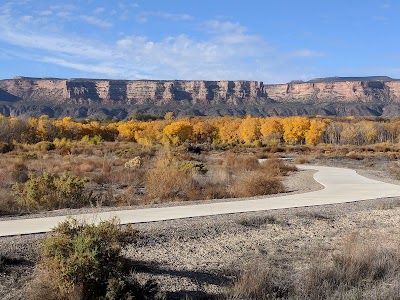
pixel 218 130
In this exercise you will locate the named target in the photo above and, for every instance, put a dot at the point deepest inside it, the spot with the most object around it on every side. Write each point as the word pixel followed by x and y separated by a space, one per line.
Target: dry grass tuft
pixel 278 167
pixel 166 181
pixel 240 163
pixel 256 183
pixel 358 270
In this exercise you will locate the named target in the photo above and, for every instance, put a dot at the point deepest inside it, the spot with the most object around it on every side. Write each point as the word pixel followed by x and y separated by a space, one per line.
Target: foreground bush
pixel 51 191
pixel 84 261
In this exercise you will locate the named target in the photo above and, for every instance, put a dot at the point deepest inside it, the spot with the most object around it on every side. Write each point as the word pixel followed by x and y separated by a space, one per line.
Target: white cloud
pixel 305 53
pixel 227 50
pixel 218 27
pixel 143 17
pixel 46 12
pixel 96 21
pixel 85 67
pixel 99 10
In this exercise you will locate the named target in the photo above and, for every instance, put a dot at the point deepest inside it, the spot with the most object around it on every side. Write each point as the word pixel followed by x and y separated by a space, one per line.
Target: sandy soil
pixel 199 257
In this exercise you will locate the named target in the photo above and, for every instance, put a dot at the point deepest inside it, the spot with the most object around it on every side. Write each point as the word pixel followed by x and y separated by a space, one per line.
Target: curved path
pixel 341 185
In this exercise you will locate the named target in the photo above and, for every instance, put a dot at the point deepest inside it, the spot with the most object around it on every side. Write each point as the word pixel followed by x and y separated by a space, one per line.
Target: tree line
pixel 212 130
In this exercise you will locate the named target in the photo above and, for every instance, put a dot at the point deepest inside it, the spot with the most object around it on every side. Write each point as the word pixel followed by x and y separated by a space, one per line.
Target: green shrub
pixel 29 155
pixel 50 191
pixel 84 261
pixel 194 166
pixel 45 146
pixel 94 140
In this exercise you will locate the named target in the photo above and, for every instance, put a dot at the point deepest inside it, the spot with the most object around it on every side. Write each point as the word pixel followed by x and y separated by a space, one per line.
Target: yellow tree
pixel 45 129
pixel 271 129
pixel 128 130
pixel 178 132
pixel 228 129
pixel 317 128
pixel 249 130
pixel 369 131
pixel 204 132
pixel 151 132
pixel 295 129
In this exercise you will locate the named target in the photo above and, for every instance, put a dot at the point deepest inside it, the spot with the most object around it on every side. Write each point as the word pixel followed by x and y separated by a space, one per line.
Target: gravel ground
pixel 199 257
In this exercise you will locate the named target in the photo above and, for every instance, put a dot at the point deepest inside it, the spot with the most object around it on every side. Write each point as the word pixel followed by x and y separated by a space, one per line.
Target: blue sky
pixel 271 41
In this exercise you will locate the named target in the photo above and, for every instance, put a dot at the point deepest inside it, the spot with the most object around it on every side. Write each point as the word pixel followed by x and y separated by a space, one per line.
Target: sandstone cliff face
pixel 348 92
pixel 124 98
pixel 84 91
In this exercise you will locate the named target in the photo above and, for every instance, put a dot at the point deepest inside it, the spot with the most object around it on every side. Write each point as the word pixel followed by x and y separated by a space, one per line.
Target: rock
pixel 81 98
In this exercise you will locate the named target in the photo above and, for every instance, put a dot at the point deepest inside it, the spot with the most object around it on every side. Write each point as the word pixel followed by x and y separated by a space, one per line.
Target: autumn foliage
pixel 250 131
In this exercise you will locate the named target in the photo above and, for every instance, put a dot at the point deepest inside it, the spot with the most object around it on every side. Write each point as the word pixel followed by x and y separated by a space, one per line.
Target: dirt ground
pixel 198 258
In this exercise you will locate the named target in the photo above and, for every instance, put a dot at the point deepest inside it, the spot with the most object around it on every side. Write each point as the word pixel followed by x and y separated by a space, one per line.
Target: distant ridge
pixel 340 79
pixel 121 99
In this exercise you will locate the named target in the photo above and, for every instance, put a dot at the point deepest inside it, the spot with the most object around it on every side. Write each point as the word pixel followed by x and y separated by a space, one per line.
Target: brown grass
pixel 277 167
pixel 256 183
pixel 240 162
pixel 358 270
pixel 8 204
pixel 166 181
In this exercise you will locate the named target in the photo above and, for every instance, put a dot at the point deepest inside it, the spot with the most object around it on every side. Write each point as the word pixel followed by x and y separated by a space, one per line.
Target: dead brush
pixel 87 167
pixel 8 204
pixel 358 265
pixel 358 269
pixel 256 183
pixel 277 167
pixel 166 181
pixel 240 163
pixel 258 281
pixel 18 172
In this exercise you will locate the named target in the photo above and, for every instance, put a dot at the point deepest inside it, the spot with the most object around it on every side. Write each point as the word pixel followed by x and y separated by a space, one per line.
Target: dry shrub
pixel 19 172
pixel 358 270
pixel 8 204
pixel 128 177
pixel 240 163
pixel 256 183
pixel 358 267
pixel 215 191
pixel 166 181
pixel 355 155
pixel 257 221
pixel 277 167
pixel 133 195
pixel 106 168
pixel 87 167
pixel 257 282
pixel 301 160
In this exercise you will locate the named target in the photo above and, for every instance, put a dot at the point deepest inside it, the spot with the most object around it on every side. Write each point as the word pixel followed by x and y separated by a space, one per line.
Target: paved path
pixel 341 185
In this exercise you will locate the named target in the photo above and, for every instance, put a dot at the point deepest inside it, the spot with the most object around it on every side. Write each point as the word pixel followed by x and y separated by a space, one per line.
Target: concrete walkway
pixel 341 185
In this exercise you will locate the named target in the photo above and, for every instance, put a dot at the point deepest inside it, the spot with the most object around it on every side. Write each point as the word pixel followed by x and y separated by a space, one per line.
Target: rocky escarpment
pixel 124 98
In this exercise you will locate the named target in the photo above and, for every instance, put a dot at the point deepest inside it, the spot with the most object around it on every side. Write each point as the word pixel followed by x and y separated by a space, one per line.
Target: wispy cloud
pixel 226 50
pixel 96 21
pixel 99 10
pixel 305 53
pixel 144 16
